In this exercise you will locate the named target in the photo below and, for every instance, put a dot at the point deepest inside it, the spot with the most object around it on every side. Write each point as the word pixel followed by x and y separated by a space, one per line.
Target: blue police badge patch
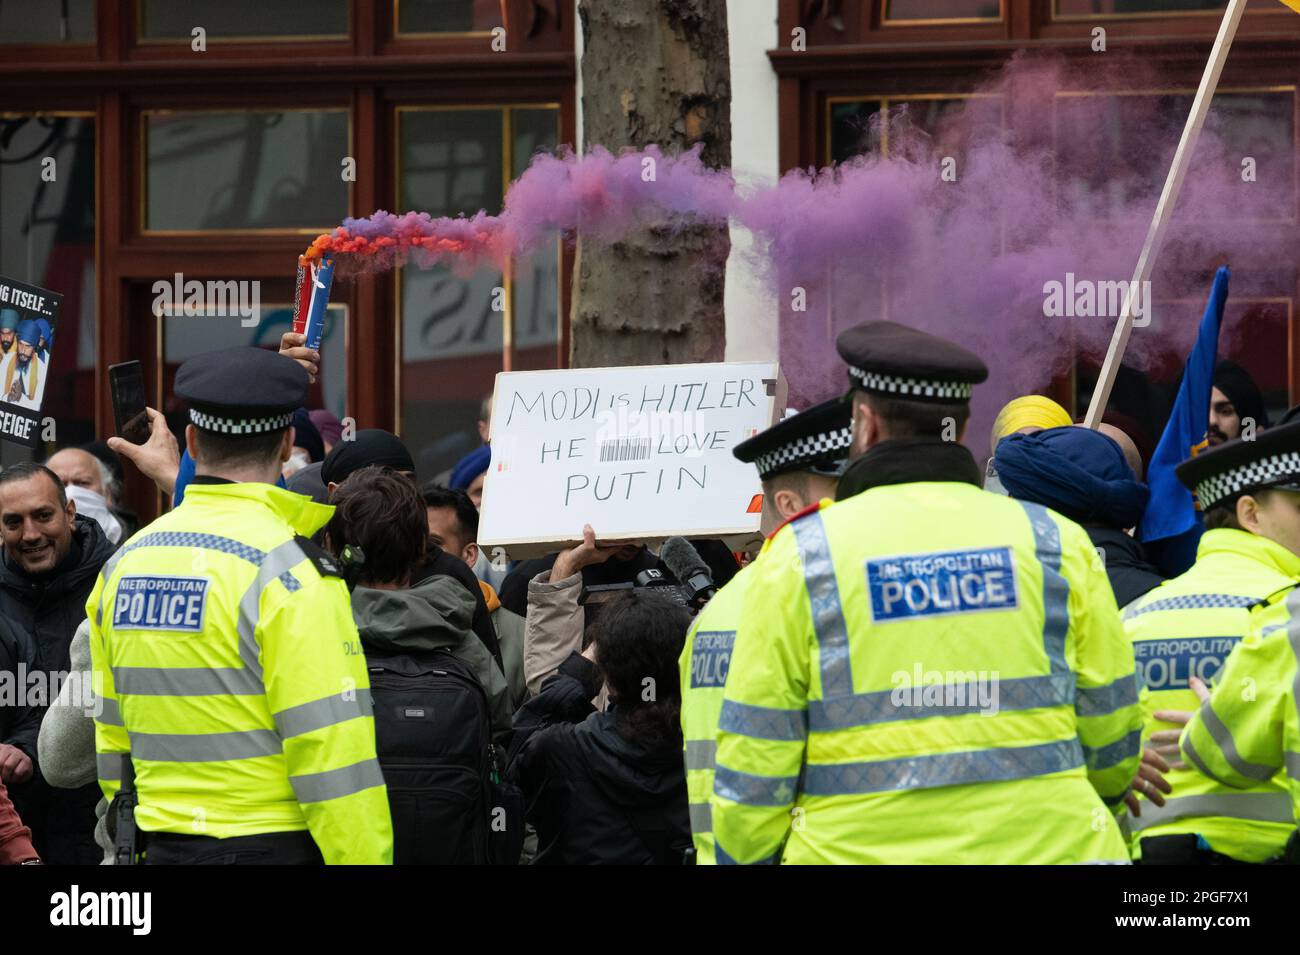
pixel 931 585
pixel 711 658
pixel 160 603
pixel 1169 662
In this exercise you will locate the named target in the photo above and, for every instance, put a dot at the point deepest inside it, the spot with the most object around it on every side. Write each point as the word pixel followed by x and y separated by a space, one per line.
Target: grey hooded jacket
pixel 434 614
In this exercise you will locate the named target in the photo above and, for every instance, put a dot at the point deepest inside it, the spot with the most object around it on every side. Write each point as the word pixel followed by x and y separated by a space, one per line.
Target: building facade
pixel 196 140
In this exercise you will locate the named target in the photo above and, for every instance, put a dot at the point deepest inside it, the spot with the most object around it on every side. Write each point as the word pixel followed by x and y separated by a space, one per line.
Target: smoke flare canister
pixel 301 296
pixel 320 278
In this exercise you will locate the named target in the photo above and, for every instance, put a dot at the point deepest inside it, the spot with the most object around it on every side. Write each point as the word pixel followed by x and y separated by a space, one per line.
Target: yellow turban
pixel 1029 411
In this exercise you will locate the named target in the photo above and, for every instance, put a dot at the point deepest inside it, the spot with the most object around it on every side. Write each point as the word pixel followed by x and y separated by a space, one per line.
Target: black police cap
pixel 1270 460
pixel 242 390
pixel 815 440
pixel 900 362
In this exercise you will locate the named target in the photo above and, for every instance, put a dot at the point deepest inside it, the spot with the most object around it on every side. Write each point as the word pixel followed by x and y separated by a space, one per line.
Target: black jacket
pixel 51 607
pixel 1131 574
pixel 19 724
pixel 595 797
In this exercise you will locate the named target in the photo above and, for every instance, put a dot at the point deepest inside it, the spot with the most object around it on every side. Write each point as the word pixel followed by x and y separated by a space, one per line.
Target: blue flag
pixel 1170 511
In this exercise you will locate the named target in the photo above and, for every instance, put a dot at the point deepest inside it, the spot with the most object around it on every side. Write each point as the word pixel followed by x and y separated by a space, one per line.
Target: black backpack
pixel 433 734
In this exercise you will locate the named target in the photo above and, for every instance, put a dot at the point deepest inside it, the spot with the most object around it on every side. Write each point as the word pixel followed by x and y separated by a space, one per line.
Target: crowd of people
pixel 308 658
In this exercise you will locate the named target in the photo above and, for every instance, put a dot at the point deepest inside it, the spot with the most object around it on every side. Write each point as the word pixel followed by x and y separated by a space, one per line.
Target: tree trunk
pixel 654 71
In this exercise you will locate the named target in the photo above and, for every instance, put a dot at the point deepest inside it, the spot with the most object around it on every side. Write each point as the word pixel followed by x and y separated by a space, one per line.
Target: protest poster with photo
pixel 640 453
pixel 28 319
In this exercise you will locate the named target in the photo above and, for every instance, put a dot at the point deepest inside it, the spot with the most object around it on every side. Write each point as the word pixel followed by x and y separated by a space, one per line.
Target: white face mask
pixel 298 460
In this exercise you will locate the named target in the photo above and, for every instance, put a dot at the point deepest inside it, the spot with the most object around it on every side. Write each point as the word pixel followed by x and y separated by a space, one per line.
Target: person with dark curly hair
pixel 610 787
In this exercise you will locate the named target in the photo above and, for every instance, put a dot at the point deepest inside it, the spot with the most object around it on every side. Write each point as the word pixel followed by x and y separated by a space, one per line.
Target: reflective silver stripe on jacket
pixel 1193 757
pixel 1261 807
pixel 952 699
pixel 337 783
pixel 214 542
pixel 327 711
pixel 1222 737
pixel 1112 754
pixel 273 566
pixel 701 817
pixel 1292 760
pixel 186 681
pixel 204 747
pixel 824 599
pixel 108 766
pixel 1103 700
pixel 701 753
pixel 941 769
pixel 763 722
pixel 109 714
pixel 1056 589
pixel 752 790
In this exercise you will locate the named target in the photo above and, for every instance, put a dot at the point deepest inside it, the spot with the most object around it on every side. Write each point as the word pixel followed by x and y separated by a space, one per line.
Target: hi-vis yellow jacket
pixel 1249 729
pixel 232 675
pixel 927 673
pixel 703 664
pixel 1187 627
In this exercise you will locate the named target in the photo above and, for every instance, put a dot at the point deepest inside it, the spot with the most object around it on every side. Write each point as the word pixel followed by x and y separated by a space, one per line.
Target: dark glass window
pixel 258 169
pixel 245 19
pixel 47 21
pixel 448 16
pixel 943 10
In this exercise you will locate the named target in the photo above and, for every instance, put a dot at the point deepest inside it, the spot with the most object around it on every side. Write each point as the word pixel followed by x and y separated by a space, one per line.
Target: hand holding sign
pixel 572 561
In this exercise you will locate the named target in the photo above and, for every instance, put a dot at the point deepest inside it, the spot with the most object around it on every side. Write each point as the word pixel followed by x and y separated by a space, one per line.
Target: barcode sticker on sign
pixel 625 449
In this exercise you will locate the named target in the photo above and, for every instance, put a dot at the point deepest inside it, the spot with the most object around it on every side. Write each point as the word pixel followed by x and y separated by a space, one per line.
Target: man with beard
pixel 8 329
pixel 51 558
pixel 22 372
pixel 1234 400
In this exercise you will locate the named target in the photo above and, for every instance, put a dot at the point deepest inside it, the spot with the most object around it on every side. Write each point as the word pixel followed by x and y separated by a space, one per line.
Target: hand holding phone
pixel 126 382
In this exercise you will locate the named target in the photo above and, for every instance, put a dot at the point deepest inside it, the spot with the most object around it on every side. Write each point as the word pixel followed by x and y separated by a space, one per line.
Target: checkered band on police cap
pixel 805 450
pixel 210 422
pixel 914 387
pixel 1277 469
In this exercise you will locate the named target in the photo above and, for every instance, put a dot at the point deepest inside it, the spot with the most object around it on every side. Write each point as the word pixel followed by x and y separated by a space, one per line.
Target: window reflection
pixel 258 169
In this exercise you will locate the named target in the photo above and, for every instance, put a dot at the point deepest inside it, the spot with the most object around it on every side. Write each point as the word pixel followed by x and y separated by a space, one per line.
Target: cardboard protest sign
pixel 28 316
pixel 640 453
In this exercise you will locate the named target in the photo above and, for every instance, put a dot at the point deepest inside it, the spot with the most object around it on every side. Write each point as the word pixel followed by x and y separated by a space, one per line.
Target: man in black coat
pixel 50 562
pixel 20 721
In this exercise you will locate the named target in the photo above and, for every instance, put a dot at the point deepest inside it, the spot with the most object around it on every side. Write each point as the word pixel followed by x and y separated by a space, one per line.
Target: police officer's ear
pixel 286 443
pixel 1248 514
pixel 866 424
pixel 71 510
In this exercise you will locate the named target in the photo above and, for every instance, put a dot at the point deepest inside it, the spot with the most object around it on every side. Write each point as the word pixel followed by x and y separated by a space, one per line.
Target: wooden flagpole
pixel 1164 209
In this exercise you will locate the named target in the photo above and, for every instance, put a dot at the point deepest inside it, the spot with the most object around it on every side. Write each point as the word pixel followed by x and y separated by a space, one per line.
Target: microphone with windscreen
pixel 685 563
